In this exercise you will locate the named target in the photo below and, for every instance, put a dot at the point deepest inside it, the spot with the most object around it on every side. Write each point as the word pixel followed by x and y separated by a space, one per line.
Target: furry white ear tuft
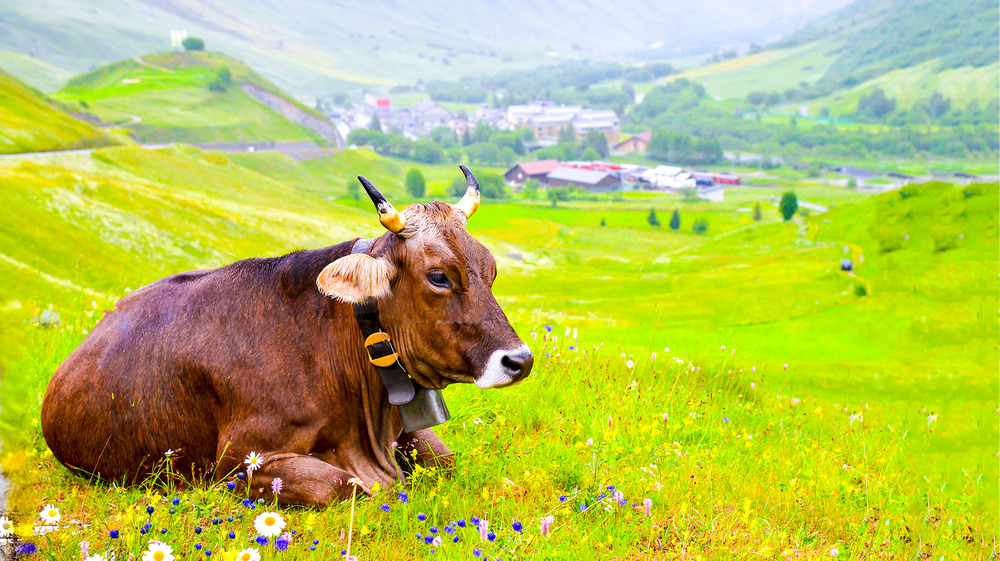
pixel 356 278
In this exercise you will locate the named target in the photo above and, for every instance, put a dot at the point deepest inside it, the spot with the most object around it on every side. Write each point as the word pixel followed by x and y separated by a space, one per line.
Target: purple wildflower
pixel 26 548
pixel 281 543
pixel 517 527
pixel 113 534
pixel 421 517
pixel 385 508
pixel 403 497
pixel 261 540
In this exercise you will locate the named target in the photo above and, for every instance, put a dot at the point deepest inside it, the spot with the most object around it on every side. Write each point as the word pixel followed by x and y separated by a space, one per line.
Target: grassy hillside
pixel 169 97
pixel 29 123
pixel 319 46
pixel 793 414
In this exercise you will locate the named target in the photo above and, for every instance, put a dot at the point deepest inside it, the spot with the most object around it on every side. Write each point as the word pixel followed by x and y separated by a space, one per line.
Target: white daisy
pixel 6 527
pixel 50 515
pixel 269 524
pixel 253 461
pixel 248 554
pixel 158 551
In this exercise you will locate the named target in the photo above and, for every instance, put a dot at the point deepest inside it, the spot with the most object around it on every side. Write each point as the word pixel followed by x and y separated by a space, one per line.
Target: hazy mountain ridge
pixel 310 46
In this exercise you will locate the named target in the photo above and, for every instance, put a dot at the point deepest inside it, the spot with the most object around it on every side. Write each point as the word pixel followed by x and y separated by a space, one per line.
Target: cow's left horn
pixel 469 202
pixel 387 214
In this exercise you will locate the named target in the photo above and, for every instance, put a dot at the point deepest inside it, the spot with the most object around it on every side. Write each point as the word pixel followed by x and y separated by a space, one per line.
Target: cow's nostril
pixel 518 364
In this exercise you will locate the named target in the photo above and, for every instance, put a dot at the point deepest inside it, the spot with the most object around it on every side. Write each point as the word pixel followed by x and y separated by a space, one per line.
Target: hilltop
pixel 195 97
pixel 31 123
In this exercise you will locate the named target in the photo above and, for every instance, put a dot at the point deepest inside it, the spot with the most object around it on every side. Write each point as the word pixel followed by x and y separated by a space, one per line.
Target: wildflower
pixel 385 508
pixel 269 524
pixel 546 522
pixel 241 476
pixel 726 419
pixel 113 534
pixel 158 551
pixel 6 527
pixel 197 529
pixel 421 517
pixel 262 541
pixel 664 417
pixel 609 421
pixel 428 538
pixel 517 527
pixel 647 506
pixel 232 535
pixel 483 529
pixel 230 485
pixel 931 418
pixel 253 461
pixel 562 498
pixel 281 543
pixel 583 507
pixel 752 385
pixel 197 546
pixel 50 515
pixel 404 498
pixel 491 536
pixel 477 553
pixel 785 366
pixel 434 529
pixel 25 548
pixel 84 549
pixel 666 350
pixel 436 541
pixel 150 510
pixel 276 485
pixel 461 523
pixel 834 552
pixel 590 442
pixel 629 363
pixel 478 421
pixel 475 521
pixel 248 554
pixel 753 369
pixel 796 401
pixel 653 356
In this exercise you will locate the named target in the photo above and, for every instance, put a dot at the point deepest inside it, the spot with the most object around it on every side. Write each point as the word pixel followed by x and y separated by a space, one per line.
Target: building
pixel 712 193
pixel 591 180
pixel 524 171
pixel 635 143
pixel 547 119
pixel 430 115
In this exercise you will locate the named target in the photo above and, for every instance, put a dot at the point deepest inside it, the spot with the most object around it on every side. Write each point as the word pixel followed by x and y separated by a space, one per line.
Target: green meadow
pixel 765 402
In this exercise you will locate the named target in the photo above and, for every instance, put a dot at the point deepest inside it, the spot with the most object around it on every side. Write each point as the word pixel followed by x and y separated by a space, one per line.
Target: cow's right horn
pixel 469 202
pixel 387 214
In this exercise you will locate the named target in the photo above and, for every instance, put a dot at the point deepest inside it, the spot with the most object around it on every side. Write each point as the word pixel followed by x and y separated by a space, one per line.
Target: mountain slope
pixel 305 45
pixel 188 97
pixel 29 123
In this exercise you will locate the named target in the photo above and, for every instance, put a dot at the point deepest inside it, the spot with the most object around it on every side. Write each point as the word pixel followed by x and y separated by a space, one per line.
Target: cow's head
pixel 432 283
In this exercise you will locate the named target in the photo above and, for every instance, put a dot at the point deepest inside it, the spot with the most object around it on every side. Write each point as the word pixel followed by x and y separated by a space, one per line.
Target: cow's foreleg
pixel 430 451
pixel 305 480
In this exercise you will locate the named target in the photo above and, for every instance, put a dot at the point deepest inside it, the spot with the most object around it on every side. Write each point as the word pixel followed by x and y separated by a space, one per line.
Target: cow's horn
pixel 469 202
pixel 387 214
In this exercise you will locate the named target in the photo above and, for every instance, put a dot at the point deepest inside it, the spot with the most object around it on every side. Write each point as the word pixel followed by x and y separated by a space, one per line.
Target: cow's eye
pixel 439 279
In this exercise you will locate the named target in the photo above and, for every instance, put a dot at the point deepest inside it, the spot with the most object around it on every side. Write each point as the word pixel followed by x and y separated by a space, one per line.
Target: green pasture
pixel 791 409
pixel 29 123
pixel 165 97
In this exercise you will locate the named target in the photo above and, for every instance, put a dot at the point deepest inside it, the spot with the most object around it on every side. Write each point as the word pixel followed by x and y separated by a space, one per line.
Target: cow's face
pixel 433 284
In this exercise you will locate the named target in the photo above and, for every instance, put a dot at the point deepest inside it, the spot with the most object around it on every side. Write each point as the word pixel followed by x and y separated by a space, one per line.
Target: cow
pixel 266 355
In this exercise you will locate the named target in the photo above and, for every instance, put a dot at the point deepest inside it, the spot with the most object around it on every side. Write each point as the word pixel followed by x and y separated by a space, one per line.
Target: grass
pixel 29 123
pixel 166 98
pixel 877 439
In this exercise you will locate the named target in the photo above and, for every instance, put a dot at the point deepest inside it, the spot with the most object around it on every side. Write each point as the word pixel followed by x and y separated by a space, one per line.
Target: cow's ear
pixel 356 278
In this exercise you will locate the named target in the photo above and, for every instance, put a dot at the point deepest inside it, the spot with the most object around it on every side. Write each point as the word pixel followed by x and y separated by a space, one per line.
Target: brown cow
pixel 266 355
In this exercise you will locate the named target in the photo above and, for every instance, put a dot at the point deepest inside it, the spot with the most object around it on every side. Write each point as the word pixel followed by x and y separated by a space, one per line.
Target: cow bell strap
pixel 381 353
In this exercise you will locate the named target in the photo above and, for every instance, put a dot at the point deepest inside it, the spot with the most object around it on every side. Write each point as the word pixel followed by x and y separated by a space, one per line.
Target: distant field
pixel 34 72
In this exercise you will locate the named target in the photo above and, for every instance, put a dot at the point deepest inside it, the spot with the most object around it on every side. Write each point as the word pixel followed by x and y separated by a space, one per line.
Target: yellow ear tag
pixel 374 339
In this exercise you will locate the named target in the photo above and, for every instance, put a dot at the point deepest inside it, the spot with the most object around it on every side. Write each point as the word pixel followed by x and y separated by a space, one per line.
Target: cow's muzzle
pixel 506 367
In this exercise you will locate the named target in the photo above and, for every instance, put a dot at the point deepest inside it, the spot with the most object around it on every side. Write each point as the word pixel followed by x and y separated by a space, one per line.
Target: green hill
pixel 30 123
pixel 187 97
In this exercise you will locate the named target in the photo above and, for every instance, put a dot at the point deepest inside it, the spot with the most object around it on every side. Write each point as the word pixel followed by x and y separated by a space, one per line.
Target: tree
pixel 652 219
pixel 223 79
pixel 598 141
pixel 556 194
pixel 700 226
pixel 427 152
pixel 603 222
pixel 675 220
pixel 937 105
pixel 788 205
pixel 590 155
pixel 492 186
pixel 466 138
pixel 415 184
pixel 458 187
pixel 567 134
pixel 876 105
pixel 757 214
pixel 756 98
pixel 193 44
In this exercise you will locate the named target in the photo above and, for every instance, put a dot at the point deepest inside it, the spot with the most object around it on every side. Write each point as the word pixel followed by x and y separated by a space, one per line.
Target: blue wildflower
pixel 197 546
pixel 601 497
pixel 611 487
pixel 26 548
pixel 208 553
pixel 261 540
pixel 316 542
pixel 385 508
pixel 562 499
pixel 449 529
pixel 517 527
pixel 343 552
pixel 241 476
pixel 163 530
pixel 197 529
pixel 477 553
pixel 230 485
pixel 726 419
pixel 172 510
pixel 548 328
pixel 247 502
pixel 230 519
pixel 491 536
pixel 144 529
pixel 419 535
pixel 421 517
pixel 428 538
pixel 176 501
pixel 583 508
pixel 113 534
pixel 232 535
pixel 149 510
pixel 403 497
pixel 281 543
pixel 461 523
pixel 434 529
pixel 475 520
pixel 455 539
pixel 239 515
pixel 312 548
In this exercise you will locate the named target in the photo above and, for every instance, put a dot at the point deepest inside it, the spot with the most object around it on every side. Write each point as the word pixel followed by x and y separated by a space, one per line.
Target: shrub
pixel 415 184
pixel 675 220
pixel 700 226
pixel 193 44
pixel 788 205
pixel 652 219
